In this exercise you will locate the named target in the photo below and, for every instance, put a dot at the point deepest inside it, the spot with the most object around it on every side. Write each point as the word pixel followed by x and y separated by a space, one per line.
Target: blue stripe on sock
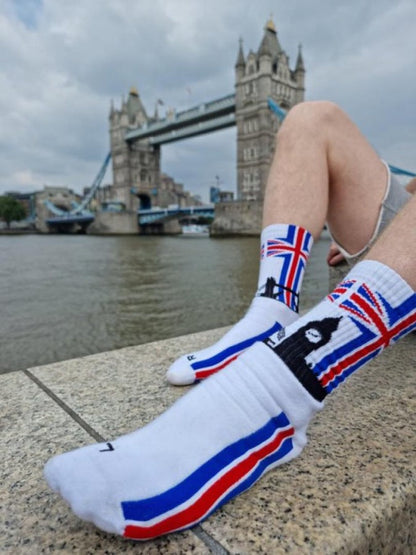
pixel 349 370
pixel 146 509
pixel 219 357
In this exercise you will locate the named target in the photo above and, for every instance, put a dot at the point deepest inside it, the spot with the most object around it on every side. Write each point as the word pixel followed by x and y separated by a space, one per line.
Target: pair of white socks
pixel 244 420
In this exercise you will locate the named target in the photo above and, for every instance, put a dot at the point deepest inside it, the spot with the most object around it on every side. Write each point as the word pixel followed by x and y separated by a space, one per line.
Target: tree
pixel 11 210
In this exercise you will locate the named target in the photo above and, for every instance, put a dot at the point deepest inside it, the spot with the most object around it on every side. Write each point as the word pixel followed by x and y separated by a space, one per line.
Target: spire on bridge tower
pixel 135 109
pixel 270 24
pixel 300 66
pixel 240 59
pixel 270 44
pixel 240 65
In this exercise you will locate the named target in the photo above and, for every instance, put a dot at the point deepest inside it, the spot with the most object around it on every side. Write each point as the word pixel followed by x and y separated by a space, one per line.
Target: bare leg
pixel 324 169
pixel 396 245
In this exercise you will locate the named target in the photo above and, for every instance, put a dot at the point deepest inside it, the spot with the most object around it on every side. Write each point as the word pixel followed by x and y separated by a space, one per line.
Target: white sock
pixel 211 445
pixel 370 310
pixel 283 255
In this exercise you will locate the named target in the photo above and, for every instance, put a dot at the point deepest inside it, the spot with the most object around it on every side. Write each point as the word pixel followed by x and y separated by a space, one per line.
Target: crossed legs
pixel 323 170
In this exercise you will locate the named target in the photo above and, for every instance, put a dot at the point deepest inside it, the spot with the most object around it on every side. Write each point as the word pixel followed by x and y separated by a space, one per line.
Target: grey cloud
pixel 62 62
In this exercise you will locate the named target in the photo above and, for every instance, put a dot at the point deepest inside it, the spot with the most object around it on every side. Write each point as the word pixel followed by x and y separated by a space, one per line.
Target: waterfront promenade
pixel 352 490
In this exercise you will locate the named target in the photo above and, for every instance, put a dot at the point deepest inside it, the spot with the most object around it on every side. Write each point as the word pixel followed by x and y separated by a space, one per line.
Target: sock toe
pixel 180 372
pixel 51 472
pixel 85 487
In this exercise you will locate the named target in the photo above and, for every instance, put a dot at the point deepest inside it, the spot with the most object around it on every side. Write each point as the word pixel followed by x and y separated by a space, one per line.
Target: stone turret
pixel 263 74
pixel 270 44
pixel 136 167
pixel 135 110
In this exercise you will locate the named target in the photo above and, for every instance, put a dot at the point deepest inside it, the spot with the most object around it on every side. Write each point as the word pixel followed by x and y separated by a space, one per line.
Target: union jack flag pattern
pixel 376 311
pixel 284 258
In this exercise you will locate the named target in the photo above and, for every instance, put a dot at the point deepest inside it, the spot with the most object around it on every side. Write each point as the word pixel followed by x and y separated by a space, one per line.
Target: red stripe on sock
pixel 210 497
pixel 296 250
pixel 205 373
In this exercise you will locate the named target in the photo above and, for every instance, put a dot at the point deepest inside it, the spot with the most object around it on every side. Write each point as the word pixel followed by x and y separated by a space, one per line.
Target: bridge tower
pixel 136 166
pixel 265 73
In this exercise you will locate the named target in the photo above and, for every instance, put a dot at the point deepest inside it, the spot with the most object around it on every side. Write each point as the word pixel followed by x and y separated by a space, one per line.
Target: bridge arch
pixel 145 201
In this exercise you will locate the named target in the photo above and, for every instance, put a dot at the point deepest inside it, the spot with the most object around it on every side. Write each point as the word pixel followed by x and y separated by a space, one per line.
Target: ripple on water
pixel 69 296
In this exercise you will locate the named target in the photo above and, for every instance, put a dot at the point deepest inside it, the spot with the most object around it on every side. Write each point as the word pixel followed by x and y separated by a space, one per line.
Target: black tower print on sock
pixel 109 448
pixel 274 290
pixel 294 350
pixel 269 289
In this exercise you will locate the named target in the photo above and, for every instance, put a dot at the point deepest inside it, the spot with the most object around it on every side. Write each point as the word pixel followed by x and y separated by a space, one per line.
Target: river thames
pixel 66 296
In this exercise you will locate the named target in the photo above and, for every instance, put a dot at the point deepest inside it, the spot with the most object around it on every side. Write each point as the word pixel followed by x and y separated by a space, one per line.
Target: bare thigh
pixel 357 185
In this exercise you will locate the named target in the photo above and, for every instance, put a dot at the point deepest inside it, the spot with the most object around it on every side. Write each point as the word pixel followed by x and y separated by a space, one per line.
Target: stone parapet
pixel 351 491
pixel 114 223
pixel 240 217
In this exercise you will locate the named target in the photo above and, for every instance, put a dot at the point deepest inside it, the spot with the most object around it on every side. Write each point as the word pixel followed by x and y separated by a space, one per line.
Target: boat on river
pixel 195 230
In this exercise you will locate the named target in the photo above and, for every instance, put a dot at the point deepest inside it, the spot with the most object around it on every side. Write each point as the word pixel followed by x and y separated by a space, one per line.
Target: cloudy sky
pixel 61 63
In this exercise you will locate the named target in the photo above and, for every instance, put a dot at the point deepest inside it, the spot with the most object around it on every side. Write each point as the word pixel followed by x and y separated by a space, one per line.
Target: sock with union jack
pixel 370 310
pixel 223 435
pixel 283 256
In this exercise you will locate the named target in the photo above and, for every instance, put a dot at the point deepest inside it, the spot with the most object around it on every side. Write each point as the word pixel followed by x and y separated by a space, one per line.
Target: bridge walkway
pixel 204 118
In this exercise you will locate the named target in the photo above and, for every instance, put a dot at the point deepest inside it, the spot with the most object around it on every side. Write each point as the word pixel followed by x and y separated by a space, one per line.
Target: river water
pixel 65 296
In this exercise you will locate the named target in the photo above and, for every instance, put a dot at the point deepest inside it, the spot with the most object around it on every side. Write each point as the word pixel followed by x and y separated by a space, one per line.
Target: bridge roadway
pixel 64 219
pixel 158 214
pixel 206 117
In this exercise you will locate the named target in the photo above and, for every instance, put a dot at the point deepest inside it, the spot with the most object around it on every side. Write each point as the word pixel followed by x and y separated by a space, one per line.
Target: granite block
pixel 33 519
pixel 119 391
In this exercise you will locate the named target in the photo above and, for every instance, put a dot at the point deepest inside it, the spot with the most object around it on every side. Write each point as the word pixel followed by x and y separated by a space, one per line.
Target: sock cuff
pixel 373 271
pixel 284 252
pixel 274 231
pixel 282 385
pixel 383 279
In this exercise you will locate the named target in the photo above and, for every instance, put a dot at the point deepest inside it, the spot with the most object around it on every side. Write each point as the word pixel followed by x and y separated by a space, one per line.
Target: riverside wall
pixel 238 217
pixel 114 223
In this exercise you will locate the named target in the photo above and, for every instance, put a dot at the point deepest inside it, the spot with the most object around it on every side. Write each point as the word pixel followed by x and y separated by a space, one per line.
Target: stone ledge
pixel 352 490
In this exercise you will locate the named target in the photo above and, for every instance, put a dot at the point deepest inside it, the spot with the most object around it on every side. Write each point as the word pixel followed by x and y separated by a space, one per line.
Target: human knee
pixel 315 117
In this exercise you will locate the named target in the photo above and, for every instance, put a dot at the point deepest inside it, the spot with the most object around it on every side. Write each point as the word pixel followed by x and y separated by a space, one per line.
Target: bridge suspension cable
pixel 79 210
pixel 281 114
pixel 96 183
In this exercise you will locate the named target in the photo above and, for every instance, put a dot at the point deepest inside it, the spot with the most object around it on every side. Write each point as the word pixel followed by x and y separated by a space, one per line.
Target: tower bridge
pixel 137 138
pixel 265 87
